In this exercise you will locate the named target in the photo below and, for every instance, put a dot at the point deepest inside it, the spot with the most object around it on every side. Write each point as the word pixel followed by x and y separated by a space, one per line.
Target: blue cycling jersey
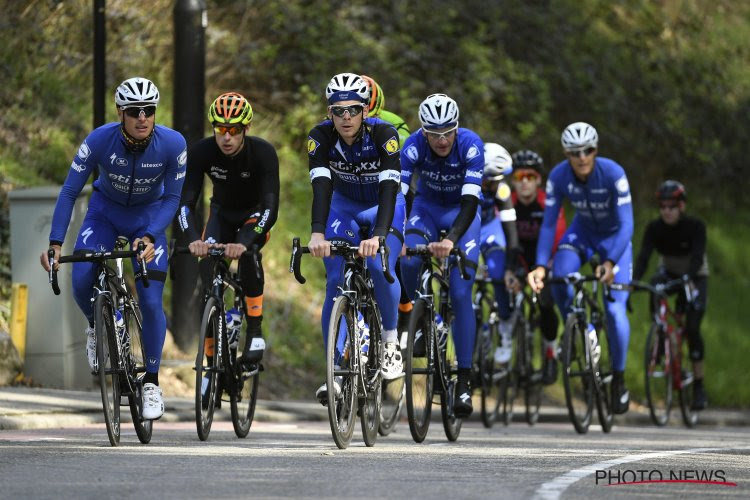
pixel 444 180
pixel 126 178
pixel 603 208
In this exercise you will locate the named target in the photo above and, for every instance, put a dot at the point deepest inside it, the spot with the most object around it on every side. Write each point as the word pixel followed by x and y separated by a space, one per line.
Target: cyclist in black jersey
pixel 680 240
pixel 244 171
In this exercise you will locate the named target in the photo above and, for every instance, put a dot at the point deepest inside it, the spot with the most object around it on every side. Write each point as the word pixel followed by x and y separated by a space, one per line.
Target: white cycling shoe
pixel 322 393
pixel 153 403
pixel 91 349
pixel 393 365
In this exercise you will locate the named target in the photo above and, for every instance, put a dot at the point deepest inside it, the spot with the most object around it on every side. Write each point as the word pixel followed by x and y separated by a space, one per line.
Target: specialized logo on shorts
pixel 84 151
pixel 158 253
pixel 503 192
pixel 312 146
pixel 182 158
pixel 412 153
pixel 470 245
pixel 391 146
pixel 473 152
pixel 335 226
pixel 86 233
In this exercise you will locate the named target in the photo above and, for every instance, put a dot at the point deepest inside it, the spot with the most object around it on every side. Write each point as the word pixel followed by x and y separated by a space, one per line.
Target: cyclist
pixel 528 199
pixel 598 188
pixel 498 231
pixel 244 171
pixel 449 161
pixel 141 172
pixel 354 172
pixel 680 240
pixel 375 108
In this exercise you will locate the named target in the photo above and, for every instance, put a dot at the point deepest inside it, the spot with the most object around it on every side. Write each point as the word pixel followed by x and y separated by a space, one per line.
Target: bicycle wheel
pixel 447 370
pixel 689 416
pixel 602 375
pixel 420 367
pixel 658 375
pixel 243 392
pixel 342 369
pixel 372 383
pixel 532 375
pixel 207 364
pixel 109 365
pixel 392 396
pixel 137 355
pixel 579 390
pixel 493 379
pixel 514 369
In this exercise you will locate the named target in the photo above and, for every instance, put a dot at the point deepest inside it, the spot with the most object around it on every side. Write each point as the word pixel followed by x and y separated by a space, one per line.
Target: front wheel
pixel 577 380
pixel 207 364
pixel 243 393
pixel 492 377
pixel 687 378
pixel 447 371
pixel 143 428
pixel 658 375
pixel 603 382
pixel 420 368
pixel 342 371
pixel 109 365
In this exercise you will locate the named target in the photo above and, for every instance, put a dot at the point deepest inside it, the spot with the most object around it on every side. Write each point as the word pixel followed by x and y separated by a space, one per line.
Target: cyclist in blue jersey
pixel 449 161
pixel 141 172
pixel 598 189
pixel 499 237
pixel 354 172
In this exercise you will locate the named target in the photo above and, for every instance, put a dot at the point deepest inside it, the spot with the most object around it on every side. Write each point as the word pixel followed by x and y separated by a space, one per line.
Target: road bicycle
pixel 218 367
pixel 665 352
pixel 431 367
pixel 353 360
pixel 587 373
pixel 118 326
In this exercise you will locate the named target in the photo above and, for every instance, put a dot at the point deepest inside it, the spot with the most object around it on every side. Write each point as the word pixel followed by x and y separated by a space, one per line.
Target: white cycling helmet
pixel 497 162
pixel 347 87
pixel 438 111
pixel 137 92
pixel 579 135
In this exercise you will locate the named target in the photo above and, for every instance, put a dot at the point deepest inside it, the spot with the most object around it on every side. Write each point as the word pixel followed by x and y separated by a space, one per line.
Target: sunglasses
pixel 353 110
pixel 668 206
pixel 529 176
pixel 577 153
pixel 441 135
pixel 135 111
pixel 233 130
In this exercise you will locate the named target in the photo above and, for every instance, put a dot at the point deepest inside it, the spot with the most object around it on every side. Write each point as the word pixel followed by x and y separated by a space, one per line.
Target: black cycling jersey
pixel 247 181
pixel 682 247
pixel 529 222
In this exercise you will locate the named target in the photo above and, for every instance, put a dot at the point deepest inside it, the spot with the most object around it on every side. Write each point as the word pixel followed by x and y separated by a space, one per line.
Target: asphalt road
pixel 299 460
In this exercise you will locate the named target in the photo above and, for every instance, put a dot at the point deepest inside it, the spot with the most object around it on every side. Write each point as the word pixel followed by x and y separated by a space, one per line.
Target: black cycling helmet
pixel 527 158
pixel 671 190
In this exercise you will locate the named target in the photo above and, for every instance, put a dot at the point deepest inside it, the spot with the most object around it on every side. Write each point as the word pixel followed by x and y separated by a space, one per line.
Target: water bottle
pixel 596 349
pixel 234 323
pixel 121 333
pixel 363 331
pixel 442 331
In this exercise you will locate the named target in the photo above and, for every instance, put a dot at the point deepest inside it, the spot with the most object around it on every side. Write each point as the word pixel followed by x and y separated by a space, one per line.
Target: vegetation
pixel 666 84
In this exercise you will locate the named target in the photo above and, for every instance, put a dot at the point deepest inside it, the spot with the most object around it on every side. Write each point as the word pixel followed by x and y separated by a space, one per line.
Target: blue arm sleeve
pixel 174 177
pixel 552 205
pixel 80 169
pixel 616 244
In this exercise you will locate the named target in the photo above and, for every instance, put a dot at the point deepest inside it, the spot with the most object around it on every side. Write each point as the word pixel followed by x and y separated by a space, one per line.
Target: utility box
pixel 55 339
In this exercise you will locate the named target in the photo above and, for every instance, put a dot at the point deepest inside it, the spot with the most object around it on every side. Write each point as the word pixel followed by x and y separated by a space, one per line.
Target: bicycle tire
pixel 532 376
pixel 514 369
pixel 491 395
pixel 107 355
pixel 420 370
pixel 579 390
pixel 143 428
pixel 371 381
pixel 658 376
pixel 207 363
pixel 341 351
pixel 243 392
pixel 446 370
pixel 392 394
pixel 603 382
pixel 689 416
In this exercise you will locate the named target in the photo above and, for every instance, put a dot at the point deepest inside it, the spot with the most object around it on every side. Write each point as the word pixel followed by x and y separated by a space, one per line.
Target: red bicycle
pixel 666 350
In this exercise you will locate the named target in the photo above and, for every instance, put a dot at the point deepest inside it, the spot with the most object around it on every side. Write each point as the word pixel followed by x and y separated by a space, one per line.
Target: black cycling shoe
pixel 549 371
pixel 700 402
pixel 252 354
pixel 620 394
pixel 462 406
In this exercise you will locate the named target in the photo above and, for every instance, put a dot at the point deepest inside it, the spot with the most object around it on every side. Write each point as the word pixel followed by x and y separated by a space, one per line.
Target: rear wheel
pixel 143 428
pixel 342 370
pixel 243 393
pixel 579 390
pixel 420 367
pixel 207 364
pixel 109 366
pixel 658 375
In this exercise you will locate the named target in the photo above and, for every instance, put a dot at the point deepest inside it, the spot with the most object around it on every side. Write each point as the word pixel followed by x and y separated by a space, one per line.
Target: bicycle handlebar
pixel 424 251
pixel 253 252
pixel 342 249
